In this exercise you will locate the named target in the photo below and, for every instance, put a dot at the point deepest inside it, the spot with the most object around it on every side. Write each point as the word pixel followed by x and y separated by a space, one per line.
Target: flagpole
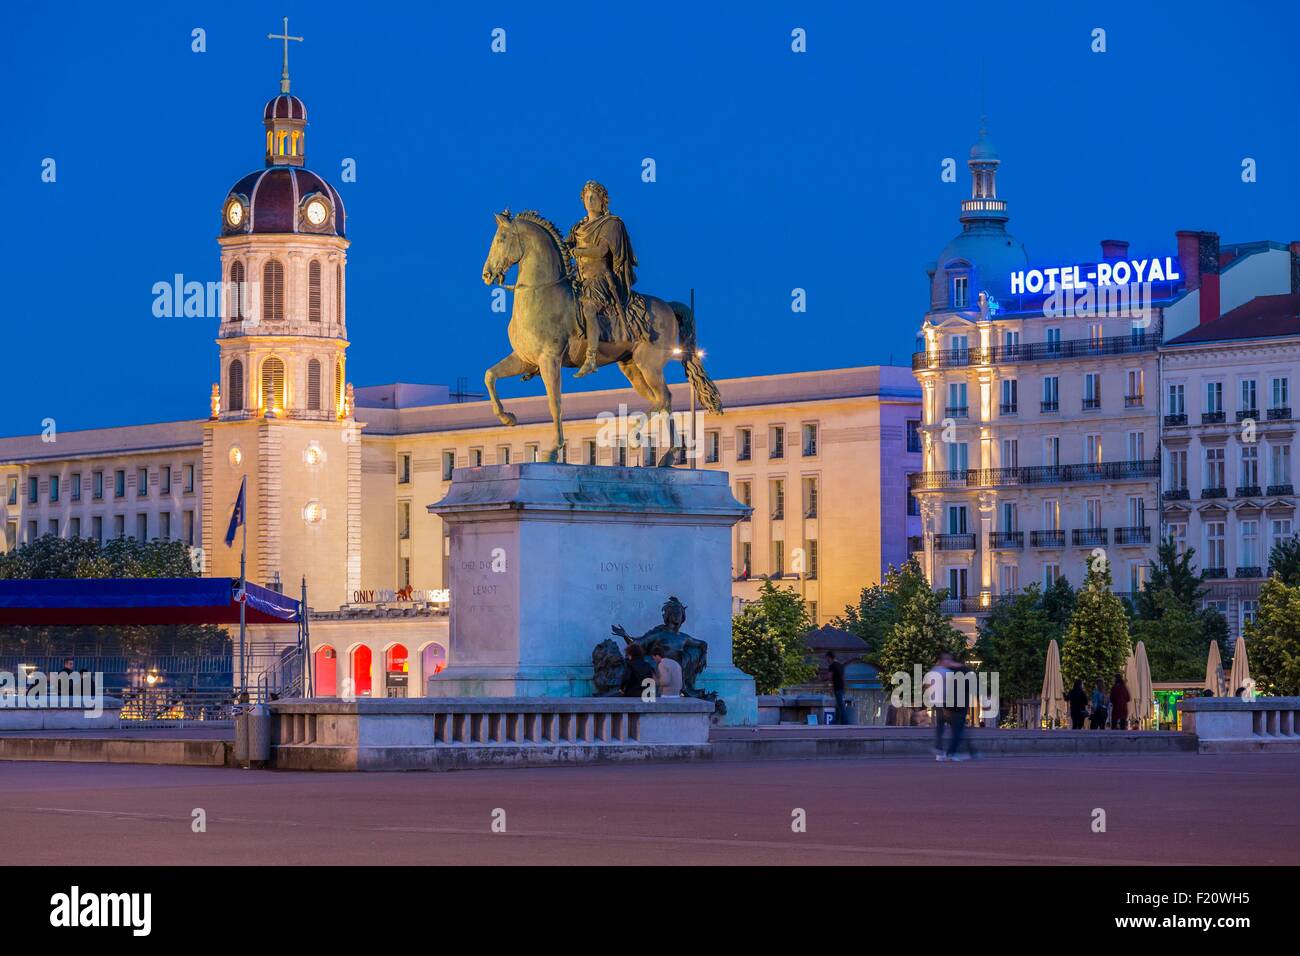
pixel 243 589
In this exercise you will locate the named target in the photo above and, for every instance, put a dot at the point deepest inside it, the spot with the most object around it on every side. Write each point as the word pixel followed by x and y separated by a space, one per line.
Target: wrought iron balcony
pixel 1089 537
pixel 1048 408
pixel 1280 413
pixel 1249 491
pixel 954 542
pixel 1007 408
pixel 1245 413
pixel 1091 404
pixel 1214 572
pixel 1135 535
pixel 1213 418
pixel 1281 489
pixel 1036 351
pixel 1006 540
pixel 1035 474
pixel 1173 420
pixel 1176 494
pixel 1214 492
pixel 1251 572
pixel 1047 539
pixel 1134 401
pixel 957 411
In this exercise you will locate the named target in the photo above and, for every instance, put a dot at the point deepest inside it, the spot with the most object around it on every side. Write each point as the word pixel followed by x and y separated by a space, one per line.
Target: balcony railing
pixel 1007 408
pixel 1091 404
pixel 1036 351
pixel 1006 540
pixel 954 542
pixel 1214 572
pixel 1176 494
pixel 1281 489
pixel 1089 537
pixel 1047 408
pixel 1219 492
pixel 1134 401
pixel 1245 413
pixel 1249 491
pixel 915 542
pixel 957 411
pixel 1035 474
pixel 1213 418
pixel 1179 419
pixel 1279 413
pixel 1136 535
pixel 1251 572
pixel 1047 539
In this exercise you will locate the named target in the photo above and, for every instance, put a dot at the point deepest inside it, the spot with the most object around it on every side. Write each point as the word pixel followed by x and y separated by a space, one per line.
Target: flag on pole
pixel 237 516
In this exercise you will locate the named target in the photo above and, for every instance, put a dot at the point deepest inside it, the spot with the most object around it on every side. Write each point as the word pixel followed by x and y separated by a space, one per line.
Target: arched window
pixel 273 384
pixel 235 387
pixel 313 291
pixel 338 387
pixel 272 291
pixel 338 294
pixel 236 310
pixel 313 385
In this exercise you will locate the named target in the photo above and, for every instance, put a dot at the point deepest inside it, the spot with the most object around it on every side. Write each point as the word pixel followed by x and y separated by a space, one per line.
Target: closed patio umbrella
pixel 1240 667
pixel 1052 700
pixel 1214 680
pixel 1143 695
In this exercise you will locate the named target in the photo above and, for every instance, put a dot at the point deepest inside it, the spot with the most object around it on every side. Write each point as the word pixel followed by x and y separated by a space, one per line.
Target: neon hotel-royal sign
pixel 1121 272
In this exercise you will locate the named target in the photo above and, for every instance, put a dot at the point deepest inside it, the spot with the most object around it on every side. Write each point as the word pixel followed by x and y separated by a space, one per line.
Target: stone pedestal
pixel 546 557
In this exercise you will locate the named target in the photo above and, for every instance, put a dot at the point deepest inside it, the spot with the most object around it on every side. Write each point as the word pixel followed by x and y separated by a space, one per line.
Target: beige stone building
pixel 339 480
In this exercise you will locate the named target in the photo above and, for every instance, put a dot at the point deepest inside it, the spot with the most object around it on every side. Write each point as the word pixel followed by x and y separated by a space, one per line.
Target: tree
pixel 1172 572
pixel 879 607
pixel 921 634
pixel 1058 603
pixel 1176 640
pixel 1013 643
pixel 767 639
pixel 1284 560
pixel 1273 639
pixel 1096 644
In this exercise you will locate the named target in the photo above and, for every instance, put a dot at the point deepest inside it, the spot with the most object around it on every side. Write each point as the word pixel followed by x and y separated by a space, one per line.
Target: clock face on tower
pixel 316 212
pixel 234 213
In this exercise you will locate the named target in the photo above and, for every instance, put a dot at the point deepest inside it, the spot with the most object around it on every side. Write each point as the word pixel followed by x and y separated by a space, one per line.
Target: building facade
pixel 338 480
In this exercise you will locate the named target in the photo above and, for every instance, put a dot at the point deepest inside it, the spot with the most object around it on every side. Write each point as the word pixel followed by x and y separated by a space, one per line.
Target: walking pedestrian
pixel 1119 698
pixel 1077 698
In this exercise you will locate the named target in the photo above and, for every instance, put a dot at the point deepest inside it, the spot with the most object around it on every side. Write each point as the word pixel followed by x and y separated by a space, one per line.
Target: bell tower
pixel 281 413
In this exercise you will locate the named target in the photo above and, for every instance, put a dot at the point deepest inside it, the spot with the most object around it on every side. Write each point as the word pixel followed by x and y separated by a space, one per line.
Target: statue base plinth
pixel 546 557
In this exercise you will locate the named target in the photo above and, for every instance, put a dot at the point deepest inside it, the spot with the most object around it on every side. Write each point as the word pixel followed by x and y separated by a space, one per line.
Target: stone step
pixel 85 748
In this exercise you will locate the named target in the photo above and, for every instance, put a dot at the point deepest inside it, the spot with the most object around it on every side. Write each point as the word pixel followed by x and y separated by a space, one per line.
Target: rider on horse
pixel 603 251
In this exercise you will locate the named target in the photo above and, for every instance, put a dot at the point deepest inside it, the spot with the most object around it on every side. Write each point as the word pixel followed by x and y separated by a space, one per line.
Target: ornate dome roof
pixel 285 106
pixel 275 201
pixel 987 255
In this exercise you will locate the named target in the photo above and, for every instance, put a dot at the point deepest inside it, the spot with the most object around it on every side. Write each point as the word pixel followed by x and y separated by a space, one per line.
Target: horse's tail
pixel 705 390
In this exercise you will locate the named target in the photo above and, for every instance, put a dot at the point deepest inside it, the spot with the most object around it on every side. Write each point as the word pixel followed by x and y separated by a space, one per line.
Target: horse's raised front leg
pixel 508 367
pixel 549 365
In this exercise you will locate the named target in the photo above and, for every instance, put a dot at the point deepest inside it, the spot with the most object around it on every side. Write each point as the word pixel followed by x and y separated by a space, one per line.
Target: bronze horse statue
pixel 546 334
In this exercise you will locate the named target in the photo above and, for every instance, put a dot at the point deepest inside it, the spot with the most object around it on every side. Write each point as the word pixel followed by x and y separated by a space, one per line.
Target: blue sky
pixel 775 170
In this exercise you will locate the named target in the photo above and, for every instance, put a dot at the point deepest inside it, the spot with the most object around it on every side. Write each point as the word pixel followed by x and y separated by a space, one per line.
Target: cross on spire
pixel 284 75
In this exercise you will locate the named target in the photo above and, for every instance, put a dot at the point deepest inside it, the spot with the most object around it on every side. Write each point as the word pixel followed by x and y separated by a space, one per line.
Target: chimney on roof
pixel 1295 268
pixel 1198 253
pixel 1114 248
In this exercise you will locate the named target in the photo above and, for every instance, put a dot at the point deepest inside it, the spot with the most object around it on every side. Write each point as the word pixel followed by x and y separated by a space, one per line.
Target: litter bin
pixel 258 722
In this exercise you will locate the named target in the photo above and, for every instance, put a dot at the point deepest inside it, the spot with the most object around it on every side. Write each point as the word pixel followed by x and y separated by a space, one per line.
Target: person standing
pixel 1119 698
pixel 1077 698
pixel 668 674
pixel 1098 720
pixel 837 688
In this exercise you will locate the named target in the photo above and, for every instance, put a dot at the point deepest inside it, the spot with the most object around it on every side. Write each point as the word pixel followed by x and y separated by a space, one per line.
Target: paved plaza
pixel 1162 809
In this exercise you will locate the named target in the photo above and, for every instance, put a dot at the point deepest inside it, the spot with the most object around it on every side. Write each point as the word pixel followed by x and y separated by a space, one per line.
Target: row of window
pixel 1279 394
pixel 96 529
pixel 272 394
pixel 56 488
pixel 273 291
pixel 1050 402
pixel 1215 471
pixel 809 488
pixel 801 562
pixel 958 452
pixel 957 516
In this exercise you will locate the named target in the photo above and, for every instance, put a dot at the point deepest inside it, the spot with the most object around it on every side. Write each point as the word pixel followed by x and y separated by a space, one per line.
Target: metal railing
pixel 1036 351
pixel 1280 413
pixel 1006 540
pixel 1213 418
pixel 1047 539
pixel 1089 537
pixel 954 542
pixel 1035 474
pixel 1133 535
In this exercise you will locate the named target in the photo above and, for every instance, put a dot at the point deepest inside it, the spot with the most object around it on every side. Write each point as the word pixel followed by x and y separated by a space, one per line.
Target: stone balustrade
pixel 1233 725
pixel 453 733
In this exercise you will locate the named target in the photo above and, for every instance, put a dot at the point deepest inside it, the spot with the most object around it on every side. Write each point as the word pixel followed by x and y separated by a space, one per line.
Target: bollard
pixel 241 738
pixel 259 735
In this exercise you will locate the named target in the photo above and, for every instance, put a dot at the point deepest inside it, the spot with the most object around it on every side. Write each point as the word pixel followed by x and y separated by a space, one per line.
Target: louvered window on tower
pixel 273 385
pixel 338 293
pixel 235 389
pixel 272 291
pixel 338 387
pixel 313 385
pixel 236 291
pixel 313 291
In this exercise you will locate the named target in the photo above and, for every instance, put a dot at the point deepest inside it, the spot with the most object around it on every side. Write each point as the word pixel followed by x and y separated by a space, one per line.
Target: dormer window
pixel 961 292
